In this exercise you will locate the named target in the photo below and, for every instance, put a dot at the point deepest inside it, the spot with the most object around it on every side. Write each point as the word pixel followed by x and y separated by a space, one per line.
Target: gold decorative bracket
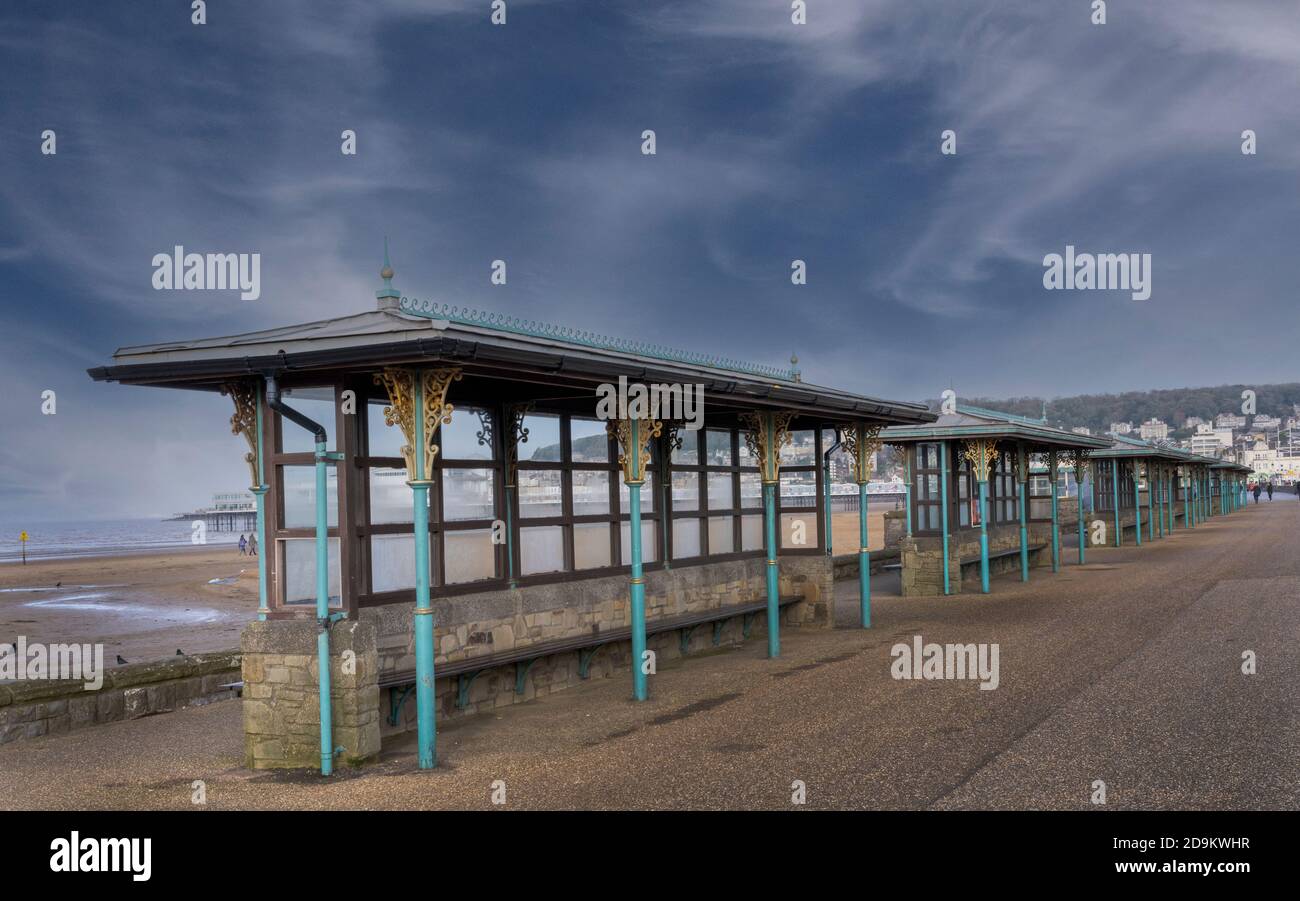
pixel 634 437
pixel 765 435
pixel 401 387
pixel 980 453
pixel 860 441
pixel 244 422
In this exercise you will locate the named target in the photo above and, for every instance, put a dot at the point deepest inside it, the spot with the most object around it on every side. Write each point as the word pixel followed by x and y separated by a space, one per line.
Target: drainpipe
pixel 323 617
pixel 826 482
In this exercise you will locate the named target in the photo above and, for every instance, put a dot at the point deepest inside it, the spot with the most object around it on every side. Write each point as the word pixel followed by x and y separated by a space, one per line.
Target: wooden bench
pixel 400 684
pixel 998 555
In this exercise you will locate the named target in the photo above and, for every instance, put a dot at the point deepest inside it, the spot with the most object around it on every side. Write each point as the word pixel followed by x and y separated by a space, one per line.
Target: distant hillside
pixel 1098 411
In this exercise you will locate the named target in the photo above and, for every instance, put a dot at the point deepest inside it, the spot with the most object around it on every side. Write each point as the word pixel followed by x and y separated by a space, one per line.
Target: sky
pixel 523 142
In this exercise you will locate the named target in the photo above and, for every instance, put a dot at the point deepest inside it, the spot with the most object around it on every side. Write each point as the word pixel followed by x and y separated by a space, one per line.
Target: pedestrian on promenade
pixel 243 542
pixel 1269 489
pixel 1257 492
pixel 252 544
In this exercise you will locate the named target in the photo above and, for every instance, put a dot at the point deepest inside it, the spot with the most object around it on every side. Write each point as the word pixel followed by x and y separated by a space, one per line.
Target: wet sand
pixel 141 606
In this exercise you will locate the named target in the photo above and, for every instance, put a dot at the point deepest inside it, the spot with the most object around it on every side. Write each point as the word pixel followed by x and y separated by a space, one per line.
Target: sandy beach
pixel 140 606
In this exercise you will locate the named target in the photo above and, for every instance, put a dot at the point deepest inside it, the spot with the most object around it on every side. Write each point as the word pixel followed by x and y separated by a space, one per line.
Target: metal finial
pixel 388 291
pixel 794 367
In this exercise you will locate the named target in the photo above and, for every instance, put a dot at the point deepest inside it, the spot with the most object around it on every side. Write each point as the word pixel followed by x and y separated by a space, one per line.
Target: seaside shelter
pixel 479 509
pixel 1141 485
pixel 972 504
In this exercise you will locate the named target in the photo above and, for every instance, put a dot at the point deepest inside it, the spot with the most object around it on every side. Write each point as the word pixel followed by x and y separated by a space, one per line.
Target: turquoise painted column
pixel 1114 485
pixel 773 586
pixel 634 436
pixel 1137 506
pixel 1160 493
pixel 640 688
pixel 907 493
pixel 864 558
pixel 1189 505
pixel 943 495
pixel 1080 476
pixel 984 535
pixel 323 613
pixel 1151 502
pixel 767 432
pixel 426 725
pixel 1056 526
pixel 260 493
pixel 981 454
pixel 1022 481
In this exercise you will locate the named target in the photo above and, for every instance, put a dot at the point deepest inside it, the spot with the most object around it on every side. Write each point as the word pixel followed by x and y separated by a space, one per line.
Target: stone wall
pixel 29 709
pixel 282 703
pixel 281 721
pixel 487 622
pixel 895 528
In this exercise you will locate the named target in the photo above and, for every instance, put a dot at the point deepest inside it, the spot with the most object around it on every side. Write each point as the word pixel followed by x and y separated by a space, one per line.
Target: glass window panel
pixel 392 562
pixel 300 496
pixel 686 491
pixel 541 549
pixel 718 448
pixel 589 441
pixel 314 403
pixel 590 493
pixel 722 491
pixel 591 545
pixel 647 495
pixel 751 532
pixel 746 456
pixel 798 489
pixel 543 444
pixel 689 453
pixel 468 436
pixel 298 571
pixel 539 493
pixel 385 440
pixel 1040 508
pixel 751 490
pixel 649 546
pixel 803 525
pixel 468 494
pixel 802 450
pixel 686 538
pixel 471 556
pixel 722 539
pixel 391 499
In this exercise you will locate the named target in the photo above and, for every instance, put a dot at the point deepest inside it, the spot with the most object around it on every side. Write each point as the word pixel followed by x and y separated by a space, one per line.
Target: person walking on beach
pixel 243 543
pixel 1269 489
pixel 252 544
pixel 1257 492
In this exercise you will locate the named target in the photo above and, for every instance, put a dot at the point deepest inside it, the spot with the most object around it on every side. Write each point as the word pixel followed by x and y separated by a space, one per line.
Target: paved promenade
pixel 1126 670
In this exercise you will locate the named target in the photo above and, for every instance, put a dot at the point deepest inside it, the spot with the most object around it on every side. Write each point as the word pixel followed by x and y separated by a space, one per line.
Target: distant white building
pixel 1229 421
pixel 1154 430
pixel 1192 422
pixel 1210 440
pixel 1121 428
pixel 1266 422
pixel 1278 465
pixel 1081 430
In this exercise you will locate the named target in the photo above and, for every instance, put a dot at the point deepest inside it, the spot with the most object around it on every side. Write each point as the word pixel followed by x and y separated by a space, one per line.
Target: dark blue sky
pixel 522 142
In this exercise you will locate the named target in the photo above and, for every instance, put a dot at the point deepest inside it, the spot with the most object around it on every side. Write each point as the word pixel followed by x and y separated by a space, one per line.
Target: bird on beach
pixel 58 584
pixel 180 653
pixel 120 660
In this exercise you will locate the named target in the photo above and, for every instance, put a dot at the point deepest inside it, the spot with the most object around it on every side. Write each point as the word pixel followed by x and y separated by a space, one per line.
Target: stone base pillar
pixel 281 701
pixel 922 566
pixel 813 577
